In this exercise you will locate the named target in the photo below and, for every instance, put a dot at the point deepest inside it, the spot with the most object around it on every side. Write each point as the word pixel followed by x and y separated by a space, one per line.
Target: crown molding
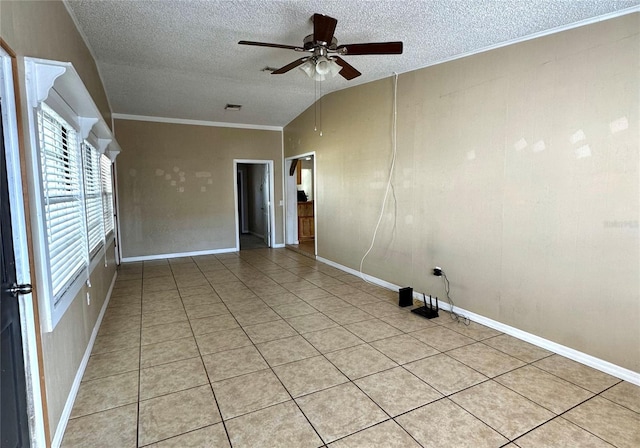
pixel 217 124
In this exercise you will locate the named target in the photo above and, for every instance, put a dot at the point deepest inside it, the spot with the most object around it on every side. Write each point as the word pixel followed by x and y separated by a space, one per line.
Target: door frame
pixel 271 205
pixel 242 203
pixel 291 201
pixel 30 325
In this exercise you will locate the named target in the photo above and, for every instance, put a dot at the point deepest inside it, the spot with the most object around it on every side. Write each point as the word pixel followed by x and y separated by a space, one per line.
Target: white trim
pixel 71 398
pixel 366 277
pixel 235 206
pixel 272 199
pixel 567 352
pixel 29 332
pixel 315 197
pixel 278 246
pixel 217 124
pixel 85 124
pixel 315 204
pixel 116 208
pixel 178 255
pixel 563 350
pixel 59 84
pixel 559 29
pixel 284 192
pixel 41 78
pixel 290 205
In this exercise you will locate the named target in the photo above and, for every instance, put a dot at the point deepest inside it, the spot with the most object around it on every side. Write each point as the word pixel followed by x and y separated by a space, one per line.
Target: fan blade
pixel 347 72
pixel 264 44
pixel 323 28
pixel 291 66
pixel 370 48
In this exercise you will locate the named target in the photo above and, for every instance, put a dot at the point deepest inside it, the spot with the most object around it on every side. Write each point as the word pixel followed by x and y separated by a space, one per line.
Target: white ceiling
pixel 181 60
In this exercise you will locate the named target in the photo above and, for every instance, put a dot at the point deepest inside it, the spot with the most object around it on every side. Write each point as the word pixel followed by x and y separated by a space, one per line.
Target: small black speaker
pixel 406 296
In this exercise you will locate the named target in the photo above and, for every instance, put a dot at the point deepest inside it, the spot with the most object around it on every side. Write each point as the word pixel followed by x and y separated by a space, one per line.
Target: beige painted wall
pixel 64 347
pixel 517 172
pixel 156 218
pixel 45 30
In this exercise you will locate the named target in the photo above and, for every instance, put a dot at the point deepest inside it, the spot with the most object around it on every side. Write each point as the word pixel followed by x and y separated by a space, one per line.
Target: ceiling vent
pixel 233 107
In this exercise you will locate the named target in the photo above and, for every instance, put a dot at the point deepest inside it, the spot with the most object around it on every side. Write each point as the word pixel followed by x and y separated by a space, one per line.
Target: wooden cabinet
pixel 306 230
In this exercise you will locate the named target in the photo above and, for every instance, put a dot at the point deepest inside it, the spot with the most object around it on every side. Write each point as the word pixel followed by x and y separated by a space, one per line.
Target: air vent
pixel 233 107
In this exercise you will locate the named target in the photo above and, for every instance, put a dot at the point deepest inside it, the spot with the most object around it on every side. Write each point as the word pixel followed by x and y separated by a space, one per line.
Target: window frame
pixel 92 191
pixel 59 86
pixel 62 159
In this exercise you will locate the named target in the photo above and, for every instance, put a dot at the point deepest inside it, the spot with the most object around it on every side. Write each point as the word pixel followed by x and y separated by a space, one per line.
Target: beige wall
pixel 45 30
pixel 156 218
pixel 517 172
pixel 64 347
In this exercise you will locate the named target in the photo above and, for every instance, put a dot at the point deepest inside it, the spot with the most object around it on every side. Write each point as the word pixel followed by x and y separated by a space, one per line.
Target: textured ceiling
pixel 180 59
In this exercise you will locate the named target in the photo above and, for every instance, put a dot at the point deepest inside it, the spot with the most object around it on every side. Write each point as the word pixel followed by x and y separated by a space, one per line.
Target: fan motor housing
pixel 310 44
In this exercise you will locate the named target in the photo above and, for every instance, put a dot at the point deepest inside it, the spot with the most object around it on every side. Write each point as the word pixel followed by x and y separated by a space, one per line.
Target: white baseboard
pixel 178 255
pixel 278 246
pixel 363 276
pixel 567 352
pixel 71 398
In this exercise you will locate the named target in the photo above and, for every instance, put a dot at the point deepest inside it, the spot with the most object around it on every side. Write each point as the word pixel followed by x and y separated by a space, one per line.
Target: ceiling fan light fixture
pixel 309 68
pixel 320 68
pixel 323 65
pixel 320 44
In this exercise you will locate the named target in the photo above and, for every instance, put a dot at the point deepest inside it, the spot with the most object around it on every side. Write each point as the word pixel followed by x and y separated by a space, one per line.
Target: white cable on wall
pixel 394 147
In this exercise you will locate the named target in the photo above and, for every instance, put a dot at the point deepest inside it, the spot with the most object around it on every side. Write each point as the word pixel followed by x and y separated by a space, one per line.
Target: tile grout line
pixel 353 381
pixel 140 360
pixel 276 376
pixel 235 268
pixel 203 364
pixel 389 417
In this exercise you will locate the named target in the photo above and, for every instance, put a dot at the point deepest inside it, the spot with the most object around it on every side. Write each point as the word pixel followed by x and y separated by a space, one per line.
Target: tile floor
pixel 269 348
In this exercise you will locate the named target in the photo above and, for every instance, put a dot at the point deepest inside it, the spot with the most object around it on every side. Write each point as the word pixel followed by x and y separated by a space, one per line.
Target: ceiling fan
pixel 325 52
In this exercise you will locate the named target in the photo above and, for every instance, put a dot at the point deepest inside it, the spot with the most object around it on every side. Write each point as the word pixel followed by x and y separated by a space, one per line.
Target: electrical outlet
pixel 437 271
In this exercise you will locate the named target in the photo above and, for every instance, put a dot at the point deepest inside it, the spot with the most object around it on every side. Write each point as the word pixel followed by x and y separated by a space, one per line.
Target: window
pixel 107 194
pixel 63 207
pixel 93 197
pixel 70 152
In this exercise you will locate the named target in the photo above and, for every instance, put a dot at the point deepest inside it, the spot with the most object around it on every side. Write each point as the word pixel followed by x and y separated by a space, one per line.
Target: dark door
pixel 14 428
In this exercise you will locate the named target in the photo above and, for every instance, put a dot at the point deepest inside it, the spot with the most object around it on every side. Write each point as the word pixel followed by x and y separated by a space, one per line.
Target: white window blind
pixel 61 179
pixel 107 194
pixel 93 197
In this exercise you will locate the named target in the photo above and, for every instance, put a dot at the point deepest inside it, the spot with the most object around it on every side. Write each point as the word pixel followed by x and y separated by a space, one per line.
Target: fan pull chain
pixel 315 106
pixel 320 104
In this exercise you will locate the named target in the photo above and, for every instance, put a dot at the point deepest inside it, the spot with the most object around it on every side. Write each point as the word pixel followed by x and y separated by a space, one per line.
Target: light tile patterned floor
pixel 268 348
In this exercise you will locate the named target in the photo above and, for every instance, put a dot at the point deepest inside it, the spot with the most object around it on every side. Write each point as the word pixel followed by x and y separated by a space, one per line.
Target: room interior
pixel 511 163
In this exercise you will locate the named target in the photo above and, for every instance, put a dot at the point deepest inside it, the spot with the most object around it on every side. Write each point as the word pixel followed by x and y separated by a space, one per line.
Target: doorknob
pixel 20 289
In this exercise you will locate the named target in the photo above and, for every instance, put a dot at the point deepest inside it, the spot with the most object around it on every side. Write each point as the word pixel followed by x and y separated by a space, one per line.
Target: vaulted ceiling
pixel 181 59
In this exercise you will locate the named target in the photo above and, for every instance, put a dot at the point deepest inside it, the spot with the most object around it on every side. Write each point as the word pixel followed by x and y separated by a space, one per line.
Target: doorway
pixel 22 393
pixel 301 207
pixel 254 204
pixel 15 423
